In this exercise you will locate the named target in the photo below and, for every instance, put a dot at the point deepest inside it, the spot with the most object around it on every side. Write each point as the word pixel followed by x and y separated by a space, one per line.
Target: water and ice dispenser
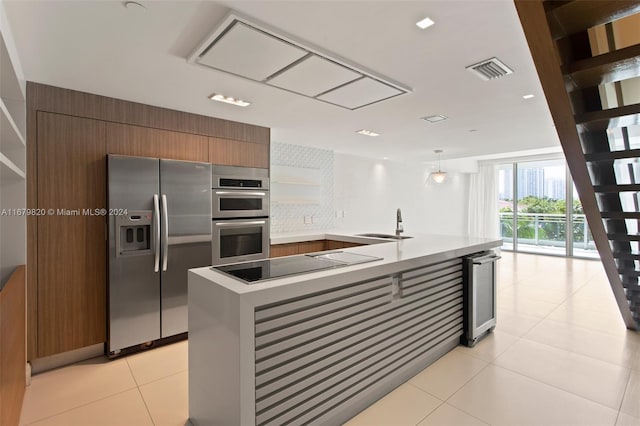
pixel 133 233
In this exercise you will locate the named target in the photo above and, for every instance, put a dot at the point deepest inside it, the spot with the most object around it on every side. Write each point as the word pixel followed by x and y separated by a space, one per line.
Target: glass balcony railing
pixel 546 233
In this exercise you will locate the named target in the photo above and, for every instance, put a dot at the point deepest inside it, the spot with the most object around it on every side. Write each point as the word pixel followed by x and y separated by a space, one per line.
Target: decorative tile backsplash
pixel 301 188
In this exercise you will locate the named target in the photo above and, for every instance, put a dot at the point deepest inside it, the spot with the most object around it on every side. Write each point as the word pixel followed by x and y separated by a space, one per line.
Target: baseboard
pixel 40 365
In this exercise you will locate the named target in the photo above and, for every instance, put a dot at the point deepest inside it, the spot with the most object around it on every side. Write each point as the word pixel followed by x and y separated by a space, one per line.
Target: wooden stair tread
pixel 623 116
pixel 609 67
pixel 629 272
pixel 623 237
pixel 634 187
pixel 613 155
pixel 572 17
pixel 620 215
pixel 626 255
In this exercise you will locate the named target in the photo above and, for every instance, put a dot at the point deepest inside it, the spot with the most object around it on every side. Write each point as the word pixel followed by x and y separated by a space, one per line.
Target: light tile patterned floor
pixel 560 355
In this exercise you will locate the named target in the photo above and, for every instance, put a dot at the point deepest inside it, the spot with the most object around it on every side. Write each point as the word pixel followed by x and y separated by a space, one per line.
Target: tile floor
pixel 560 355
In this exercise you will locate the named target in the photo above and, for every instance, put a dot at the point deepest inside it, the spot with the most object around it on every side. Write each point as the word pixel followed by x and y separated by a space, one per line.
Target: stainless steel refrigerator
pixel 159 227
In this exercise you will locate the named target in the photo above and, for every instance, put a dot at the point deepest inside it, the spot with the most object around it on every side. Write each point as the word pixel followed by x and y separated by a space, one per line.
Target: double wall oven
pixel 240 210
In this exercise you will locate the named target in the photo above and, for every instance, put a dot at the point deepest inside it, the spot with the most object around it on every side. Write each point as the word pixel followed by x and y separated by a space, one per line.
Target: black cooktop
pixel 262 270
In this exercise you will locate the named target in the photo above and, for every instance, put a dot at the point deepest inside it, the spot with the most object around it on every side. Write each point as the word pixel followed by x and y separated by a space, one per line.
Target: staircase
pixel 587 54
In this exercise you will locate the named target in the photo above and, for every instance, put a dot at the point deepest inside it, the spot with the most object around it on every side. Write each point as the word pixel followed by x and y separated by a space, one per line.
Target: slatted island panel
pixel 321 347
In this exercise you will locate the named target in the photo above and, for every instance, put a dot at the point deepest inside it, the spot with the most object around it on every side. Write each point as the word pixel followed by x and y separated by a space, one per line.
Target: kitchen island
pixel 319 347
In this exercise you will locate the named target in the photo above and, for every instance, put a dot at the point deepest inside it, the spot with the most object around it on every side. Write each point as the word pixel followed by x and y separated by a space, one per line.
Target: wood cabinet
pixel 333 244
pixel 288 249
pixel 70 134
pixel 71 295
pixel 140 141
pixel 311 246
pixel 279 250
pixel 13 358
pixel 238 153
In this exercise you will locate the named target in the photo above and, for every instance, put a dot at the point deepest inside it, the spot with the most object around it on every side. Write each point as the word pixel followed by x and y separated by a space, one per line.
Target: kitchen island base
pixel 318 357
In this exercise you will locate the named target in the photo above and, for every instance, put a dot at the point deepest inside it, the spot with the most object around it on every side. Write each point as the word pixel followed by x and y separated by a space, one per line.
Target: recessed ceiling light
pixel 367 132
pixel 473 130
pixel 425 23
pixel 434 118
pixel 529 96
pixel 229 100
pixel 385 158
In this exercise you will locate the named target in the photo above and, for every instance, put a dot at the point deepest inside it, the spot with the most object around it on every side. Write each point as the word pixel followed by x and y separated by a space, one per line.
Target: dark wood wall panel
pixel 12 347
pixel 69 134
pixel 32 228
pixel 80 104
pixel 71 249
pixel 145 142
pixel 238 153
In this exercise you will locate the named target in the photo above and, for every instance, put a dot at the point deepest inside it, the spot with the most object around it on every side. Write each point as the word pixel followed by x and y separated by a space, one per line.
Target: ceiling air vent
pixel 490 69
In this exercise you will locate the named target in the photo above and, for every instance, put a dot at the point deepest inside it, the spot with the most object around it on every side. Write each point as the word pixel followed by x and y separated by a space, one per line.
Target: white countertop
pixel 397 255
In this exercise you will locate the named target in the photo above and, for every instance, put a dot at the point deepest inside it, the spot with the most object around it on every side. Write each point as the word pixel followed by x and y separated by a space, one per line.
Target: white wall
pixel 369 191
pixel 315 202
pixel 362 194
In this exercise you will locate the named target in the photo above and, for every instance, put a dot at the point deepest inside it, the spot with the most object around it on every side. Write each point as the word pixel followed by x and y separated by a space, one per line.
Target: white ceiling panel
pixel 250 53
pixel 359 93
pixel 314 75
pixel 379 36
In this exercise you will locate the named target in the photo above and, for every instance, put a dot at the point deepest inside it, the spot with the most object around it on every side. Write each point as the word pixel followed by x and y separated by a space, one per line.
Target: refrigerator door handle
pixel 165 214
pixel 156 233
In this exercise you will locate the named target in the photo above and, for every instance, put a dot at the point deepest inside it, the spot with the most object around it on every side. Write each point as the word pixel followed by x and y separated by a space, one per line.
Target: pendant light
pixel 439 176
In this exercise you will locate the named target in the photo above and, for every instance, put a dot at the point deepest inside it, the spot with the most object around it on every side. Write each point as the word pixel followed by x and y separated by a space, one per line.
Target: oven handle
pixel 259 194
pixel 253 222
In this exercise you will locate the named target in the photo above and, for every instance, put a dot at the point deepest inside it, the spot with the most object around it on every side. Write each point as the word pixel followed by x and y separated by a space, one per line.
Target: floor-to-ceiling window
pixel 540 211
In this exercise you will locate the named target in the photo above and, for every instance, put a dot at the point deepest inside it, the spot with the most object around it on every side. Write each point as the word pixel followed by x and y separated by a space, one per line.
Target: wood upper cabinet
pixel 70 134
pixel 238 153
pixel 125 139
pixel 71 288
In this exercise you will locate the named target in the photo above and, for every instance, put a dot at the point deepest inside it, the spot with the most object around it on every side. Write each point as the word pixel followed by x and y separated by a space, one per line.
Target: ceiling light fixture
pixel 439 176
pixel 425 23
pixel 434 118
pixel 367 132
pixel 529 96
pixel 229 100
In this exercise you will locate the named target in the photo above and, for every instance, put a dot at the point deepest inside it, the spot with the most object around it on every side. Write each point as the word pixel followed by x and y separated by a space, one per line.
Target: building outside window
pixel 540 211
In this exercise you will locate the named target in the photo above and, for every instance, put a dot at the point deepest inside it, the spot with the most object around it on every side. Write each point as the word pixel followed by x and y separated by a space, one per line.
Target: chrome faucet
pixel 399 227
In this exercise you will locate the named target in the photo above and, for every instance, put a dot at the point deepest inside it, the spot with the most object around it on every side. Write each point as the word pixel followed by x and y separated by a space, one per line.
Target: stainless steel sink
pixel 387 236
